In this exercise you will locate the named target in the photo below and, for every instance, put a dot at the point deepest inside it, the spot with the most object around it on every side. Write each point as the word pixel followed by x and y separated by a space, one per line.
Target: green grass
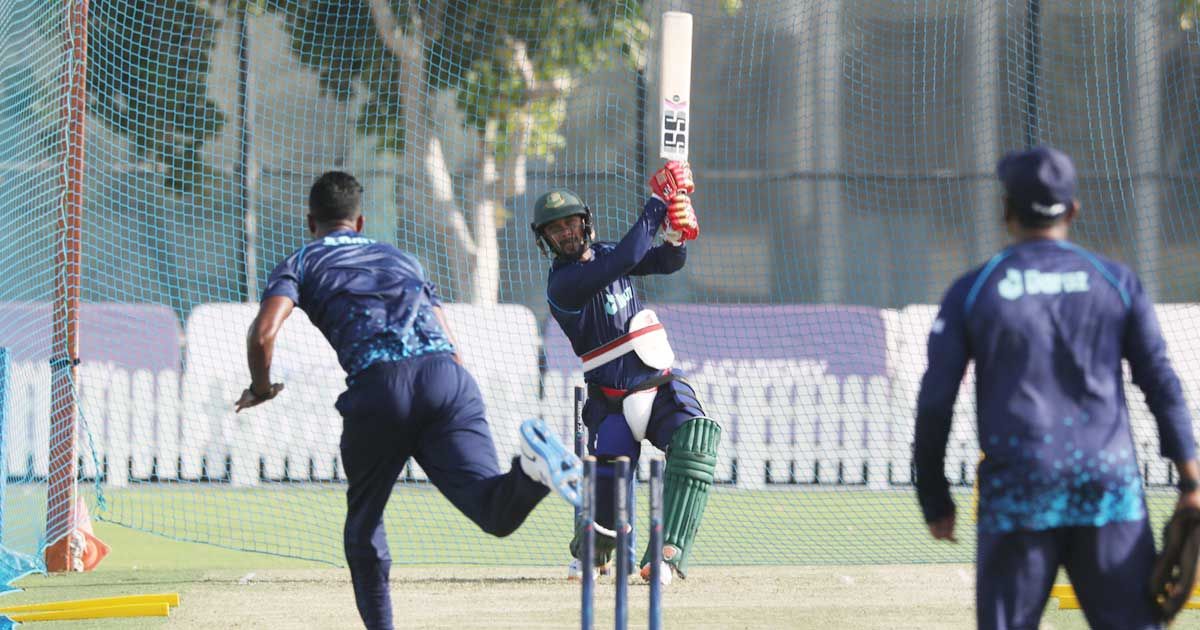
pixel 777 526
pixel 850 558
pixel 787 526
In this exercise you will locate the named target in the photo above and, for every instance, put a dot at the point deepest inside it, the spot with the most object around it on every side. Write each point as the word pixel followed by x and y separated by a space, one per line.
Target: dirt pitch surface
pixel 825 598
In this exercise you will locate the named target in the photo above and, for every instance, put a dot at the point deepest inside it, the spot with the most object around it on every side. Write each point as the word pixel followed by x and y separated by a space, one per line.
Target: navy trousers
pixel 428 408
pixel 1109 566
pixel 610 437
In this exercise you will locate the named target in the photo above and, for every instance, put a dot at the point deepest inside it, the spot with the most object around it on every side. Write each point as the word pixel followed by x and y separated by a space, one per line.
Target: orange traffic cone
pixel 80 550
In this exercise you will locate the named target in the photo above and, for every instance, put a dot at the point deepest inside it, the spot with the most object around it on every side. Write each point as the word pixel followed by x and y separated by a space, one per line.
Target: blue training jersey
pixel 1047 323
pixel 593 301
pixel 369 299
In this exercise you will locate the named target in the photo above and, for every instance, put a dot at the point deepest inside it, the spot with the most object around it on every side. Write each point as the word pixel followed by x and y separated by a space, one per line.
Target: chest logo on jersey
pixel 1017 283
pixel 614 302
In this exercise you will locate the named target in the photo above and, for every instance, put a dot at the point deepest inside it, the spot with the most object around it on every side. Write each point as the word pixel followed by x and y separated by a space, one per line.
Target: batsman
pixel 633 391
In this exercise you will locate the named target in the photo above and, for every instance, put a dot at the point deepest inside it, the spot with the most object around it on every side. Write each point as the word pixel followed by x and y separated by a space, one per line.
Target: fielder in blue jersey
pixel 634 393
pixel 1047 324
pixel 407 393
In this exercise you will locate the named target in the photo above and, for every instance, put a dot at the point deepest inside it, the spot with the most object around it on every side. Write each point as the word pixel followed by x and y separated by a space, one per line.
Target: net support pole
pixel 247 173
pixel 983 120
pixel 792 137
pixel 642 121
pixel 1145 152
pixel 831 248
pixel 1033 63
pixel 61 485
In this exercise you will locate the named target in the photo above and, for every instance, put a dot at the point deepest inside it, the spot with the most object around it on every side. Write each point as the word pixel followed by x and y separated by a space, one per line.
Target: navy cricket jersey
pixel 369 299
pixel 1047 324
pixel 593 301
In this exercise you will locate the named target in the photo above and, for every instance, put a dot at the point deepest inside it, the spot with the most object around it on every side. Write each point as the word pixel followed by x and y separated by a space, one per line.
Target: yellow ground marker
pixel 1068 601
pixel 154 609
pixel 975 490
pixel 1060 590
pixel 170 599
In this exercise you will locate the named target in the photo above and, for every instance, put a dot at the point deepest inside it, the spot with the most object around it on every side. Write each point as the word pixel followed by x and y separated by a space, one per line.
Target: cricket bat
pixel 675 84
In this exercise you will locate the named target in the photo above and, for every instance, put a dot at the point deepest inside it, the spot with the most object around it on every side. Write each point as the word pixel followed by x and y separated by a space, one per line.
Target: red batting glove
pixel 681 218
pixel 674 177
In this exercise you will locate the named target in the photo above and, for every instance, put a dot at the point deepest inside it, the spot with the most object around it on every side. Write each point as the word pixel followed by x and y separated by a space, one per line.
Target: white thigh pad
pixel 636 408
pixel 652 347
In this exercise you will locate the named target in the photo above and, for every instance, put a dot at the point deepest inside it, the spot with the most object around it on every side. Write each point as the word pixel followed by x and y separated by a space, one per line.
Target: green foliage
pixel 150 61
pixel 148 66
pixel 468 47
pixel 1189 12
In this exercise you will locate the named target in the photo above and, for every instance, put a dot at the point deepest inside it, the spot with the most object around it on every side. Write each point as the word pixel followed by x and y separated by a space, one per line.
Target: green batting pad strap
pixel 698 436
pixel 695 466
pixel 687 478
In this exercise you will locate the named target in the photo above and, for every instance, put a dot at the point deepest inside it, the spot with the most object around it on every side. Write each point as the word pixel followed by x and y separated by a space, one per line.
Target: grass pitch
pixel 870 587
pixel 786 525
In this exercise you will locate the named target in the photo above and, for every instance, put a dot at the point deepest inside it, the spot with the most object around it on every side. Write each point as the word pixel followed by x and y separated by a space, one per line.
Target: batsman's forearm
pixel 662 260
pixel 636 243
pixel 672 257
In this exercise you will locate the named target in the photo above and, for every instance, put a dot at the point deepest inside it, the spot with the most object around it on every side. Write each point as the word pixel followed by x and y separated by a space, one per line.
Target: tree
pixel 148 65
pixel 510 64
pixel 1189 10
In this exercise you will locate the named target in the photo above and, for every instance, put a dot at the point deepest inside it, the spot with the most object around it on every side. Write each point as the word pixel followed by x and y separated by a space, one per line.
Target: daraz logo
pixel 614 303
pixel 1017 283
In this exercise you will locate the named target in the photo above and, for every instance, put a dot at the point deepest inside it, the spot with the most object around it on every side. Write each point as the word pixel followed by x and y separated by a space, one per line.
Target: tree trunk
pixel 471 251
pixel 485 288
pixel 425 190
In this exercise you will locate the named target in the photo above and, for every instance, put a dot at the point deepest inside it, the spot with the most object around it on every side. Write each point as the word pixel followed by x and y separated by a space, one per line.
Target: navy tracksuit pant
pixel 429 408
pixel 1109 566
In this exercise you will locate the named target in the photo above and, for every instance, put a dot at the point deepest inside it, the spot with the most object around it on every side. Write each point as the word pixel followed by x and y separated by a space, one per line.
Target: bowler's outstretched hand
pixel 251 399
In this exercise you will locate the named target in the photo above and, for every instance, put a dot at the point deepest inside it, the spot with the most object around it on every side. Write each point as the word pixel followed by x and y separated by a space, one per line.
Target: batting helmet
pixel 559 204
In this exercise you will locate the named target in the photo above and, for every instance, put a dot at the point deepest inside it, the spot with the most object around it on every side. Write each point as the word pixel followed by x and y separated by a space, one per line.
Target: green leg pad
pixel 687 478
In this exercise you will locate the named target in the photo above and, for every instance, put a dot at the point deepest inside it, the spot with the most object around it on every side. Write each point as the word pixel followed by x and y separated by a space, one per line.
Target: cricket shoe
pixel 547 461
pixel 665 575
pixel 666 570
pixel 575 571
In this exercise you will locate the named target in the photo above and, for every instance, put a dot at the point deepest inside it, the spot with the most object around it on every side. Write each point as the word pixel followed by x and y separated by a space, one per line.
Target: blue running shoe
pixel 546 460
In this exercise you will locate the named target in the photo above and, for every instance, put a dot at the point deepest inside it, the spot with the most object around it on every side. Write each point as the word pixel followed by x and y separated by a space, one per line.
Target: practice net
pixel 844 155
